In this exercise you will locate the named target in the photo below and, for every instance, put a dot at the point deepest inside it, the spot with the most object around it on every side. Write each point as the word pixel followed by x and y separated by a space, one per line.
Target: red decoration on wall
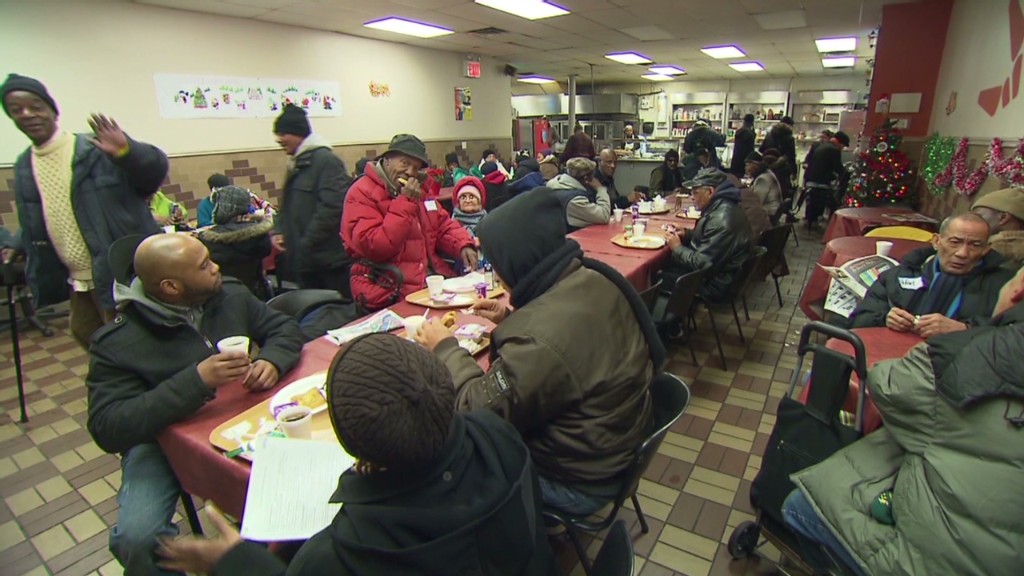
pixel 990 98
pixel 1016 28
pixel 1009 170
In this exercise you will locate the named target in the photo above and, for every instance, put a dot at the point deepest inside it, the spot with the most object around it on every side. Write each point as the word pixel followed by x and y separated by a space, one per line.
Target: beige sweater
pixel 51 164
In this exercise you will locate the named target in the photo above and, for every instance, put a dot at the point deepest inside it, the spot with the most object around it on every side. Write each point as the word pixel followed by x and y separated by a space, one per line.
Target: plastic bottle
pixel 488 275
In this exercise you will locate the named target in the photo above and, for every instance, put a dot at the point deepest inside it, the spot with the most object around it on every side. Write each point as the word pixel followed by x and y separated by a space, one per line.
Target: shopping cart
pixel 804 434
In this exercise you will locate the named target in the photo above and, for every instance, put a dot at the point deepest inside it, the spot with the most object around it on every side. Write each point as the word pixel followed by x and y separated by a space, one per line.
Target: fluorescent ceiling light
pixel 836 44
pixel 657 77
pixel 628 58
pixel 844 62
pixel 723 52
pixel 746 66
pixel 669 70
pixel 529 9
pixel 536 79
pixel 408 27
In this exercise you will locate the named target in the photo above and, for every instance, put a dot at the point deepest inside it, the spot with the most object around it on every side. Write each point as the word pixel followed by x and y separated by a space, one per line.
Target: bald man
pixel 607 161
pixel 157 363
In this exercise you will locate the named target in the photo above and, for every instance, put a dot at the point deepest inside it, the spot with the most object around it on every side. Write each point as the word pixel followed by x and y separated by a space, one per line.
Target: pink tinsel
pixel 1009 170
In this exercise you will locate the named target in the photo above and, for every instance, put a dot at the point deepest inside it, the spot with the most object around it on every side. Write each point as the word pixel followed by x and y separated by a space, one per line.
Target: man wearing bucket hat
pixel 306 228
pixel 433 491
pixel 1004 212
pixel 395 238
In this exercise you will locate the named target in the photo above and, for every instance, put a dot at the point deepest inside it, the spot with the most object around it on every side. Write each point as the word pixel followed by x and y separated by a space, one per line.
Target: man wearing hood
pixel 157 364
pixel 781 138
pixel 667 178
pixel 432 491
pixel 584 199
pixel 239 241
pixel 306 228
pixel 574 383
pixel 395 237
pixel 721 240
pixel 946 287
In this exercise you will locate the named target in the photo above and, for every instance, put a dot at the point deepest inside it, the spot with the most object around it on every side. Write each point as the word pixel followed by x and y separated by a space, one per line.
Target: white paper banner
pixel 182 96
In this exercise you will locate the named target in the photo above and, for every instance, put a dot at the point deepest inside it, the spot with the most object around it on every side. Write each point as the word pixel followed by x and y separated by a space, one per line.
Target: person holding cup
pixel 181 333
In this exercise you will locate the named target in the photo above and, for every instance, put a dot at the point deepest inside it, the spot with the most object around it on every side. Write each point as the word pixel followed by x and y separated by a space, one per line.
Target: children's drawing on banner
pixel 182 96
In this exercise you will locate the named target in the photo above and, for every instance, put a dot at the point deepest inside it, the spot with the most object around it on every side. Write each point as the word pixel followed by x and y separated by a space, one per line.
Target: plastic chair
pixel 737 291
pixel 669 398
pixel 680 303
pixel 774 240
pixel 650 296
pixel 121 257
pixel 901 233
pixel 615 558
pixel 298 303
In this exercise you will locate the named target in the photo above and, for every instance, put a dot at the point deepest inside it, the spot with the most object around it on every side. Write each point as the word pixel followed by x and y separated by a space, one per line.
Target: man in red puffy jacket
pixel 387 223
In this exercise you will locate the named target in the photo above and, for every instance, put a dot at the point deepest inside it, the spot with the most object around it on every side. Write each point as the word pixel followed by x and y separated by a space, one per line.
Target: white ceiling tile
pixel 786 20
pixel 210 7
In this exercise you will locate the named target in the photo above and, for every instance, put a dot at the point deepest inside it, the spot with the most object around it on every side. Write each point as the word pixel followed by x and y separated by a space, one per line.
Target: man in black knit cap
pixel 432 492
pixel 575 383
pixel 309 223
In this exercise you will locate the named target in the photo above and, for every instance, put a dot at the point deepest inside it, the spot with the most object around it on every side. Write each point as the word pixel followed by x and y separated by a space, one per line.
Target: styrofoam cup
pixel 435 284
pixel 413 325
pixel 638 229
pixel 170 229
pixel 234 344
pixel 296 422
pixel 882 247
pixel 618 212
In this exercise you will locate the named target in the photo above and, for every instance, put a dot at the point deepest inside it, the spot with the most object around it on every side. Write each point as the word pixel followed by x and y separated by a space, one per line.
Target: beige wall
pixel 101 56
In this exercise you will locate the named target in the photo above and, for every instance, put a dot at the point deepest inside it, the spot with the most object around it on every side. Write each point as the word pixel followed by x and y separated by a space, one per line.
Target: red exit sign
pixel 472 69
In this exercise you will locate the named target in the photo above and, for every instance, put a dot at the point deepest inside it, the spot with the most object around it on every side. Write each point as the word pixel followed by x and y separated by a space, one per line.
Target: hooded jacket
pixel 311 207
pixel 721 241
pixel 769 192
pixel 476 511
pixel 952 459
pixel 239 247
pixel 142 370
pixel 781 138
pixel 980 292
pixel 525 183
pixel 1010 244
pixel 583 206
pixel 703 136
pixel 109 197
pixel 385 227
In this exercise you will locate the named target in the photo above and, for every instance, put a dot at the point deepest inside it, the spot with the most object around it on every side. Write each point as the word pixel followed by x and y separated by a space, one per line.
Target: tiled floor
pixel 57 489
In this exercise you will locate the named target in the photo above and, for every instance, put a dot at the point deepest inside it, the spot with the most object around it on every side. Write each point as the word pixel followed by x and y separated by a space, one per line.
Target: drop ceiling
pixel 668 31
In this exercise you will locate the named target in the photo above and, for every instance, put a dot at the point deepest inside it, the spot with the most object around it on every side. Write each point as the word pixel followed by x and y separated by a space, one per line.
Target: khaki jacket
pixel 571 371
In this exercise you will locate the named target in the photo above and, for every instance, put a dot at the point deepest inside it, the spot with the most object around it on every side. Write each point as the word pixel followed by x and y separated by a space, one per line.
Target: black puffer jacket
pixel 721 241
pixel 981 291
pixel 310 216
pixel 239 249
pixel 477 511
pixel 109 196
pixel 781 138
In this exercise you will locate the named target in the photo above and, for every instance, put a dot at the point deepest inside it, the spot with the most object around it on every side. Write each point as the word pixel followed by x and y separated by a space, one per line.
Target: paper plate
pixel 654 212
pixel 291 394
pixel 645 242
pixel 463 284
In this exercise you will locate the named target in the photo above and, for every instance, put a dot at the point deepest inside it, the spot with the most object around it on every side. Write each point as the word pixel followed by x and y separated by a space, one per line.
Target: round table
pixel 839 252
pixel 858 221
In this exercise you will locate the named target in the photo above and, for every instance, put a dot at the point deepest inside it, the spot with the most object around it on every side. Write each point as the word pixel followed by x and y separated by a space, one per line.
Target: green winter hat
pixel 409 145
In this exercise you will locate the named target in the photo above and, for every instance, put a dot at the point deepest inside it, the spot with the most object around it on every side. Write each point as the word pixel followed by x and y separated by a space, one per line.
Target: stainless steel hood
pixel 587 105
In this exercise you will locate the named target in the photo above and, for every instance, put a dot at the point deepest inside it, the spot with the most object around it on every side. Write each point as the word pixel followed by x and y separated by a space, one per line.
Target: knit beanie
pixel 488 167
pixel 391 402
pixel 519 234
pixel 580 168
pixel 217 181
pixel 17 82
pixel 451 158
pixel 471 190
pixel 292 121
pixel 487 153
pixel 230 202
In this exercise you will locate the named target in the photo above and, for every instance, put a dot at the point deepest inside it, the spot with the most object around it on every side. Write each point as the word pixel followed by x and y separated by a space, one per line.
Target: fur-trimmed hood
pixel 235 232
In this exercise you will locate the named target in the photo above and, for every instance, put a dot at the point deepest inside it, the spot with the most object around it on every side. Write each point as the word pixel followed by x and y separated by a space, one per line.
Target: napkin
pixel 383 321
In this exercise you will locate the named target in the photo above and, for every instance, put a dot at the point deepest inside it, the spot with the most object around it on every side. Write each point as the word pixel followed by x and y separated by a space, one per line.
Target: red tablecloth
pixel 880 344
pixel 202 469
pixel 635 264
pixel 858 221
pixel 839 252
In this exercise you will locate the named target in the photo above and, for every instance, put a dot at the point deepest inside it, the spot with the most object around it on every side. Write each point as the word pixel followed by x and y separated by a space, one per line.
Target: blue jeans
pixel 568 499
pixel 146 501
pixel 801 517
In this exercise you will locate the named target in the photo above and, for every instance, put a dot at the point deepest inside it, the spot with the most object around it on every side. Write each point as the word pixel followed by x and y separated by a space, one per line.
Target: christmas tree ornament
pixel 882 174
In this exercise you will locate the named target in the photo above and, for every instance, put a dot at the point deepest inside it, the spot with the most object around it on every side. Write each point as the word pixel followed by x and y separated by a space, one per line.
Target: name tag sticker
pixel 431 205
pixel 911 283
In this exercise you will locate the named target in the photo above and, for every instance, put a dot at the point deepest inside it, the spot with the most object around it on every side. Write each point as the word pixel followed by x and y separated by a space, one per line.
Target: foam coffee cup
pixel 618 214
pixel 883 247
pixel 234 344
pixel 435 284
pixel 413 325
pixel 296 422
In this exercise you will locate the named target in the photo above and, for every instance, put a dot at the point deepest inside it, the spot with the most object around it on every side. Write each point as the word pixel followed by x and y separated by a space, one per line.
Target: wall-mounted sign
pixel 181 96
pixel 472 68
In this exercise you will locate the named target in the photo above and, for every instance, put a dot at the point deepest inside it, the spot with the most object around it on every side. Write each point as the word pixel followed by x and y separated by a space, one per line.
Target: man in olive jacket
pixel 948 460
pixel 157 363
pixel 308 226
pixel 575 383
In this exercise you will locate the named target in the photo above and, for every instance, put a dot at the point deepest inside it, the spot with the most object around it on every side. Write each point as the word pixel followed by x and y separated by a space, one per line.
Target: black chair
pixel 14 278
pixel 615 558
pixel 191 513
pixel 774 240
pixel 669 398
pixel 121 257
pixel 250 273
pixel 650 296
pixel 298 303
pixel 680 303
pixel 738 289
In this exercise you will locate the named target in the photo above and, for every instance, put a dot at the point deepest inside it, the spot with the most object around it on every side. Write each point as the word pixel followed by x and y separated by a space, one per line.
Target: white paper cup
pixel 882 247
pixel 296 422
pixel 234 344
pixel 659 203
pixel 435 284
pixel 618 212
pixel 413 325
pixel 646 206
pixel 638 229
pixel 170 229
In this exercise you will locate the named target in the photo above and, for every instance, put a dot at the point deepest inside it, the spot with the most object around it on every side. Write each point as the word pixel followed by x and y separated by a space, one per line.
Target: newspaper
pixel 850 282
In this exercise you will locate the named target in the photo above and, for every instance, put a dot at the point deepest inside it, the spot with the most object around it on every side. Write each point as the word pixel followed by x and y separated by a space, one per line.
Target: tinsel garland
pixel 1009 170
pixel 956 172
pixel 938 153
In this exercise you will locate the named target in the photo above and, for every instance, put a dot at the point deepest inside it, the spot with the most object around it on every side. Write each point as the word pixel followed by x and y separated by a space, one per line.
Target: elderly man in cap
pixel 76 195
pixel 306 228
pixel 584 199
pixel 574 382
pixel 432 491
pixel 721 240
pixel 395 237
pixel 1004 212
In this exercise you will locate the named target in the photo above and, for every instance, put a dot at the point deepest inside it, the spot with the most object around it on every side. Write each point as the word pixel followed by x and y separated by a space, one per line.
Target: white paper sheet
pixel 289 489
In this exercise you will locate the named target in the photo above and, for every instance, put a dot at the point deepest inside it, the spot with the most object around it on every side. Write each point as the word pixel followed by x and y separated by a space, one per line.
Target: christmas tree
pixel 881 174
